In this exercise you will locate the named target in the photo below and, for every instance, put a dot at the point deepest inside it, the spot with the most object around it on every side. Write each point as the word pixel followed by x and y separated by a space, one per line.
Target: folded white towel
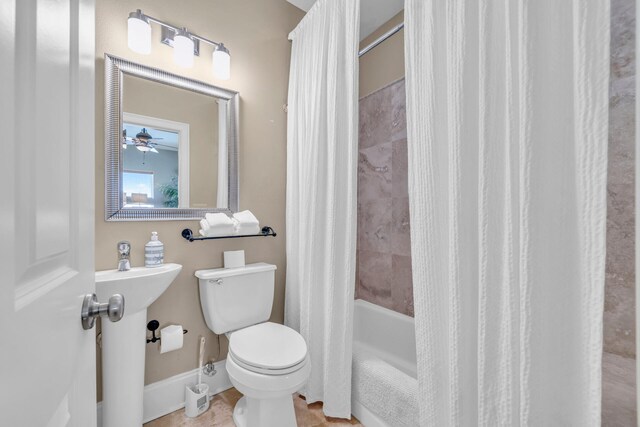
pixel 246 218
pixel 206 227
pixel 243 230
pixel 213 234
pixel 217 224
pixel 218 218
pixel 218 228
pixel 247 223
pixel 218 232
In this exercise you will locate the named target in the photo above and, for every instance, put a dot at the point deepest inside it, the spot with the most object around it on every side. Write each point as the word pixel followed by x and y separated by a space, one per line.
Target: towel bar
pixel 266 231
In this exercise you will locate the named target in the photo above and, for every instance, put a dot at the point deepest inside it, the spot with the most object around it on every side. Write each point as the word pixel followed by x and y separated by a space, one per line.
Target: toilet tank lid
pixel 217 273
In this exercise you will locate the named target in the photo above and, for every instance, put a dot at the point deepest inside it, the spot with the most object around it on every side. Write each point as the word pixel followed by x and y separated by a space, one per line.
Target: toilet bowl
pixel 266 362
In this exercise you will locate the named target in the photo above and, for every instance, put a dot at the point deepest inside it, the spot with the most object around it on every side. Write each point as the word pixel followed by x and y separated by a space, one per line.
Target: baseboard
pixel 365 416
pixel 163 397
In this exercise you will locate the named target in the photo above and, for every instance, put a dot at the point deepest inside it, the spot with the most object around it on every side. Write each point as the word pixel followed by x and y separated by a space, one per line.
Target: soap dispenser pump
pixel 154 252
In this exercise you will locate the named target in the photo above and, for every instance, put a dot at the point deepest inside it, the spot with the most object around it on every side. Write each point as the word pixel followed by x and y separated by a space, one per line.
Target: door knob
pixel 91 308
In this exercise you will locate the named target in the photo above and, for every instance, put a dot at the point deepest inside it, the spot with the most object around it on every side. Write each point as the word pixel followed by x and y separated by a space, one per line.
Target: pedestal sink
pixel 124 342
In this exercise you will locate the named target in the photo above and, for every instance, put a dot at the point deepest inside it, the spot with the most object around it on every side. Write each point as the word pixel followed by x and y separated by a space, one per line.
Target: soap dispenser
pixel 153 252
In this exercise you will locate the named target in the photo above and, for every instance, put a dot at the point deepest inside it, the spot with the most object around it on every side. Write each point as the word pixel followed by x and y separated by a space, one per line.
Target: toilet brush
pixel 200 360
pixel 197 395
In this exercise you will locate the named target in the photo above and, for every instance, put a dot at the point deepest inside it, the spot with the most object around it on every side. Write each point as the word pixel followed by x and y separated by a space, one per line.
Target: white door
pixel 47 360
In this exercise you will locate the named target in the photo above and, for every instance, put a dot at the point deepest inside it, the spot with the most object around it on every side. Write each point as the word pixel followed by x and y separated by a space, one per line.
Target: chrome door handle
pixel 91 308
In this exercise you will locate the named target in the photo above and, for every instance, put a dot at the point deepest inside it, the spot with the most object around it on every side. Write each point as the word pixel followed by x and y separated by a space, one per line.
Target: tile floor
pixel 618 391
pixel 220 414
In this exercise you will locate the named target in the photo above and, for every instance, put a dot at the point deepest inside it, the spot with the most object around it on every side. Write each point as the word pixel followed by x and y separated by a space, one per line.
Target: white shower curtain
pixel 507 138
pixel 321 196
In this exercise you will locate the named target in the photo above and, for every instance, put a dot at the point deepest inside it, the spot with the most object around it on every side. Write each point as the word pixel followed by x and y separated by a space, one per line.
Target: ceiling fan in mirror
pixel 143 141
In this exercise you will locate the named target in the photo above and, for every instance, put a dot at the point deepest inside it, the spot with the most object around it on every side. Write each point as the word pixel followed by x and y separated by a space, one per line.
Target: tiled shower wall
pixel 620 298
pixel 384 247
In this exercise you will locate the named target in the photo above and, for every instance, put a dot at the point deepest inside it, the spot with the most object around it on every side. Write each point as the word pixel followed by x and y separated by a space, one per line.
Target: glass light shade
pixel 139 35
pixel 143 148
pixel 221 63
pixel 183 50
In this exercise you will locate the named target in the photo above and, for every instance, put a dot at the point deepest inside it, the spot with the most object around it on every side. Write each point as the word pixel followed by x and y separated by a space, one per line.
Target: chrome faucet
pixel 124 249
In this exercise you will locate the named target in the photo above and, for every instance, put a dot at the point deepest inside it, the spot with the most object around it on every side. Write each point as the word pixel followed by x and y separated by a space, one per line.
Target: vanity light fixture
pixel 183 48
pixel 186 44
pixel 221 62
pixel 139 32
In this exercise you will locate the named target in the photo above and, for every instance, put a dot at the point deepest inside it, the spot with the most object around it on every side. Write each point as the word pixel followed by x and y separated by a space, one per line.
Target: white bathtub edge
pixel 365 416
pixel 384 311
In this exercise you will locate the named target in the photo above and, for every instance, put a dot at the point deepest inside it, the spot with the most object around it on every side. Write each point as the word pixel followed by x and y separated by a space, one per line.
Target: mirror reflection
pixel 171 155
pixel 150 168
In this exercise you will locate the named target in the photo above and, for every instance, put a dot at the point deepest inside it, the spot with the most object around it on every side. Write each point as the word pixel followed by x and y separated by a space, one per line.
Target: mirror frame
pixel 114 70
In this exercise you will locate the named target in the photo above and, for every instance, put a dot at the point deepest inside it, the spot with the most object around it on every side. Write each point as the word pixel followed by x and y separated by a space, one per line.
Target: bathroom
pixel 332 266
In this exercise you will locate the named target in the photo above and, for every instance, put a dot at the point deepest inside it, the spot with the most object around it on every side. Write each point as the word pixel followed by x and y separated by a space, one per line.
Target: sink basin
pixel 124 342
pixel 140 286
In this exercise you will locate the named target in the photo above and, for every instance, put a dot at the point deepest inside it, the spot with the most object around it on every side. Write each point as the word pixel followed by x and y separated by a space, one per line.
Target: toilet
pixel 267 362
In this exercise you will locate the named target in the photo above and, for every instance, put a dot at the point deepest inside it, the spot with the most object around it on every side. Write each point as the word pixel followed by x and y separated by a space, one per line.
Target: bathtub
pixel 384 384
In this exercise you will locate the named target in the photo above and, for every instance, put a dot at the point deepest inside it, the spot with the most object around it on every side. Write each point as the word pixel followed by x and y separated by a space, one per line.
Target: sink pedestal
pixel 124 342
pixel 123 350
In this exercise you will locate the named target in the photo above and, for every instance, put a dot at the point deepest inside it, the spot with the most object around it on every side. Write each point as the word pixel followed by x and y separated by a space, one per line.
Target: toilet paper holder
pixel 153 327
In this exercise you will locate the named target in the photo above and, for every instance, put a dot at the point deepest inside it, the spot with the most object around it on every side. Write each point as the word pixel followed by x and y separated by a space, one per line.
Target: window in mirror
pixel 138 189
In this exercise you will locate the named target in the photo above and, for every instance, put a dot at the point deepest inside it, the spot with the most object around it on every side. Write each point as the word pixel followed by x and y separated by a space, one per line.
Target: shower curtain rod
pixel 382 38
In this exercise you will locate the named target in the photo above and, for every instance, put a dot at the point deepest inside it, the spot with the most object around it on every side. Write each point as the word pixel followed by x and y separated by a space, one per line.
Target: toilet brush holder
pixel 196 399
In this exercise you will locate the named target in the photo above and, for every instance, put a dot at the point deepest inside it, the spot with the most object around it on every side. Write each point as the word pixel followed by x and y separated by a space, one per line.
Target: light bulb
pixel 221 62
pixel 183 49
pixel 139 33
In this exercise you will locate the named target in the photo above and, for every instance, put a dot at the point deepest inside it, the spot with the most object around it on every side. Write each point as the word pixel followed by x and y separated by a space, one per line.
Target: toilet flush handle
pixel 216 281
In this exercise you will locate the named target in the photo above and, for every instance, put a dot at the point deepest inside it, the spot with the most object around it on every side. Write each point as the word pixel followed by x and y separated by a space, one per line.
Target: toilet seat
pixel 268 348
pixel 267 371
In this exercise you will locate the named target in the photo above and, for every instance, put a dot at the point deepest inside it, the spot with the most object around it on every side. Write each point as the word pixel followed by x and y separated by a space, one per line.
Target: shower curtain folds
pixel 507 114
pixel 321 196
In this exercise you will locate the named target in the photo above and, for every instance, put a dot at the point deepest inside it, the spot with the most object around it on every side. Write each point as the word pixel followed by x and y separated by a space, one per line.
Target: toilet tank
pixel 234 298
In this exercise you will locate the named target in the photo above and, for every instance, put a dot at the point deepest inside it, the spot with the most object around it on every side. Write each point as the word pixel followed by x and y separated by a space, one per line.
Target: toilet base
pixel 277 412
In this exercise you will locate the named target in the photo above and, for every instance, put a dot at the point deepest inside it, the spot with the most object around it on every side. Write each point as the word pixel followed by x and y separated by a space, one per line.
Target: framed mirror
pixel 171 145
